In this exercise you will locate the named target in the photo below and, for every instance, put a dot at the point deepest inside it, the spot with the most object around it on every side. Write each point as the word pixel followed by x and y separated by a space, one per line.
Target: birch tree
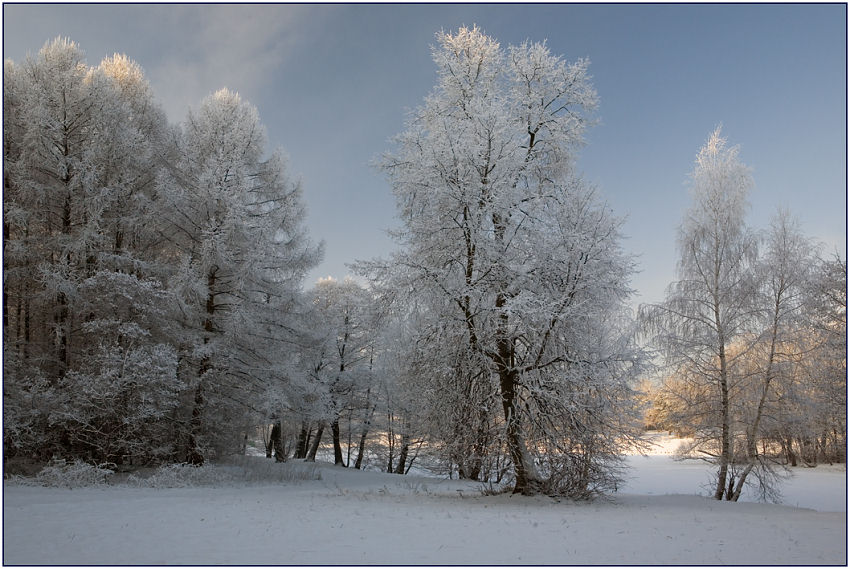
pixel 709 310
pixel 782 275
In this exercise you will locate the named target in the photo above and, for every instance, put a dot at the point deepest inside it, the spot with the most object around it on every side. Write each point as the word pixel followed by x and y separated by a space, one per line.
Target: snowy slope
pixel 353 517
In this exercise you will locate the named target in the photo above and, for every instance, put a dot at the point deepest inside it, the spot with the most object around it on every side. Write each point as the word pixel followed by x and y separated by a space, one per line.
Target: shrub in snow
pixel 259 470
pixel 180 476
pixel 245 469
pixel 60 473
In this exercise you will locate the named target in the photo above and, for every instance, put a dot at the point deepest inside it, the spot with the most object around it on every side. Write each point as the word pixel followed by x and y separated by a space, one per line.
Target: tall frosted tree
pixel 704 324
pixel 519 262
pixel 64 111
pixel 235 223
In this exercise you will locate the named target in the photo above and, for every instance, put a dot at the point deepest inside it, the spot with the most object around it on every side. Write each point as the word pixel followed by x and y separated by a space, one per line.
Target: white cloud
pixel 212 46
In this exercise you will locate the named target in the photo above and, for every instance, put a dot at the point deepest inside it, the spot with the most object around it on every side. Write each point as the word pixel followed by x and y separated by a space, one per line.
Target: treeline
pixel 152 272
pixel 752 336
pixel 153 290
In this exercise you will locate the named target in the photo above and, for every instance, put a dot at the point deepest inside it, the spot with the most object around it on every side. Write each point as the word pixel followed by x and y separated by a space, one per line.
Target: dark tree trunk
pixel 725 419
pixel 311 454
pixel 26 328
pixel 18 313
pixel 269 448
pixel 390 443
pixel 6 237
pixel 360 449
pixel 63 311
pixel 276 442
pixel 338 460
pixel 789 451
pixel 366 424
pixel 480 446
pixel 402 457
pixel 527 480
pixel 194 456
pixel 303 439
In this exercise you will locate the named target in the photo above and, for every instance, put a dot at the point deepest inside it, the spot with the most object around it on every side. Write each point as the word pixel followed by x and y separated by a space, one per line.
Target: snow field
pixel 353 517
pixel 823 488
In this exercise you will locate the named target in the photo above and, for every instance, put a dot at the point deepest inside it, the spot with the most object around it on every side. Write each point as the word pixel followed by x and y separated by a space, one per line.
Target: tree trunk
pixel 63 310
pixel 6 237
pixel 366 424
pixel 413 458
pixel 276 442
pixel 27 328
pixel 725 445
pixel 390 437
pixel 311 454
pixel 303 439
pixel 360 448
pixel 725 429
pixel 528 480
pixel 268 442
pixel 348 445
pixel 194 456
pixel 402 457
pixel 753 431
pixel 789 449
pixel 338 460
pixel 480 446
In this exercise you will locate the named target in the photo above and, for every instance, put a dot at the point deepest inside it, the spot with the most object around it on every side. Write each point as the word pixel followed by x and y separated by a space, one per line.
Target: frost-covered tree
pixel 744 332
pixel 782 274
pixel 811 422
pixel 131 177
pixel 519 262
pixel 343 354
pixel 141 260
pixel 64 111
pixel 78 168
pixel 703 324
pixel 16 211
pixel 234 221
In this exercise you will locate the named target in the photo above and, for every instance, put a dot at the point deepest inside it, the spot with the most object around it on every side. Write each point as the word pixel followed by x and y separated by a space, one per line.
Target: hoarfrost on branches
pixel 517 259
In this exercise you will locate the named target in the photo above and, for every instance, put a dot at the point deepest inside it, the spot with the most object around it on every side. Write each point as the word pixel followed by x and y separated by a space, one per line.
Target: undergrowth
pixel 60 473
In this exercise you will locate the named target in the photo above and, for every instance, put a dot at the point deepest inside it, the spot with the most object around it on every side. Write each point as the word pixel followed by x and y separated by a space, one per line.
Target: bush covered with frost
pixel 261 470
pixel 180 476
pixel 60 473
pixel 255 470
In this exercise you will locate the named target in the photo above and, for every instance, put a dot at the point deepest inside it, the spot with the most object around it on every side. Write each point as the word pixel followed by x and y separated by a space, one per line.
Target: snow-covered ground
pixel 353 517
pixel 823 488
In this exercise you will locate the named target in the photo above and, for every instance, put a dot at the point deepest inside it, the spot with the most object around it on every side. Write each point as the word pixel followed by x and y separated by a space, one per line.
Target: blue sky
pixel 333 84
